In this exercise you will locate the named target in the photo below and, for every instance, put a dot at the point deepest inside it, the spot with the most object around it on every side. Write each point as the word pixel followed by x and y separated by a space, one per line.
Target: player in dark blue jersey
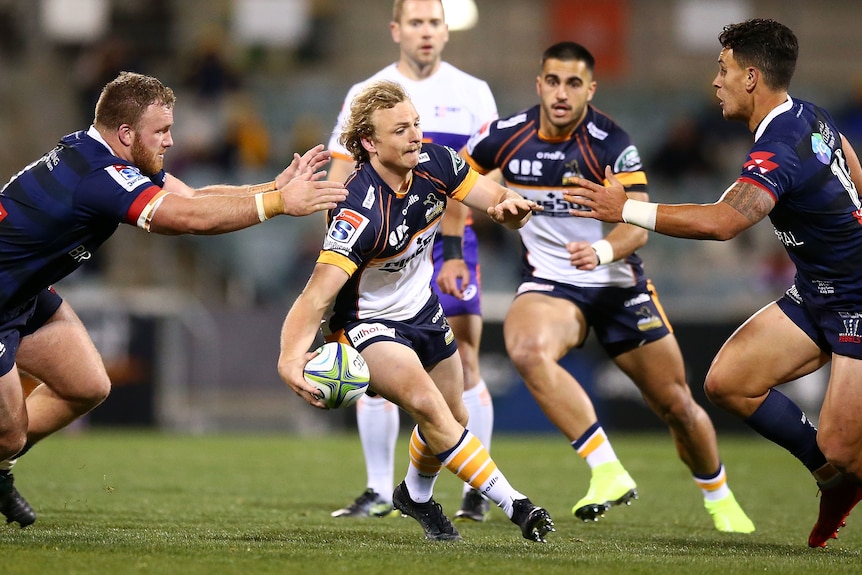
pixel 804 175
pixel 374 272
pixel 578 277
pixel 57 211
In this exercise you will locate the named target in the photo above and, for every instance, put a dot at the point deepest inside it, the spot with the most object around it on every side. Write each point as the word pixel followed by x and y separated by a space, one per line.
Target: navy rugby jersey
pixel 540 169
pixel 58 210
pixel 383 239
pixel 797 158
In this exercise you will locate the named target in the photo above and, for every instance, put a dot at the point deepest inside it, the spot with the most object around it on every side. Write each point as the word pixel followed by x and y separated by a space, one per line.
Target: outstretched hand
pixel 602 203
pixel 513 212
pixel 307 166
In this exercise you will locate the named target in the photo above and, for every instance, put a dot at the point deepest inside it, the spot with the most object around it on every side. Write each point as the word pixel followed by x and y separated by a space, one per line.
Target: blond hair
pixel 398 9
pixel 380 95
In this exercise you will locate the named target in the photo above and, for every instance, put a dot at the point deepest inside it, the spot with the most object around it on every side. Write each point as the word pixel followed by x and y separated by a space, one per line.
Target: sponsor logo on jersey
pixel 344 230
pixel 128 177
pixel 822 152
pixel 824 287
pixel 760 162
pixel 596 132
pixel 369 198
pixel 555 156
pixel 365 331
pixel 788 239
pixel 397 265
pixel 424 157
pixel 397 236
pixel 3 213
pixel 628 161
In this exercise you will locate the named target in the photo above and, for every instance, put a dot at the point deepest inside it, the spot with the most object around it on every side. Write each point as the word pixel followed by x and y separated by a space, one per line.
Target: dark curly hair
pixel 767 45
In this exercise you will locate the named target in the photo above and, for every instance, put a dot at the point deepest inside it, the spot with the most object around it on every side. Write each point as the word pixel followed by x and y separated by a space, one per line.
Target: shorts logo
pixel 128 177
pixel 2 349
pixel 470 292
pixel 647 320
pixel 366 331
pixel 534 286
pixel 851 331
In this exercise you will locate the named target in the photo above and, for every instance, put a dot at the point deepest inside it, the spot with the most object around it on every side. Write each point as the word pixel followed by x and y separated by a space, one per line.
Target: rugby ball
pixel 339 372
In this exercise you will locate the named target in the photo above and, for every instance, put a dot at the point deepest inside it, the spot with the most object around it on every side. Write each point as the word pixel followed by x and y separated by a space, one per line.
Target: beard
pixel 147 161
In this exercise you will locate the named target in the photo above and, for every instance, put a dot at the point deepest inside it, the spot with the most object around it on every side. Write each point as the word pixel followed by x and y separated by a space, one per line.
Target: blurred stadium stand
pixel 196 320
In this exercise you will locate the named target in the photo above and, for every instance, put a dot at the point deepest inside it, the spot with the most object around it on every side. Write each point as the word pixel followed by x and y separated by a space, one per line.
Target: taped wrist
pixel 269 204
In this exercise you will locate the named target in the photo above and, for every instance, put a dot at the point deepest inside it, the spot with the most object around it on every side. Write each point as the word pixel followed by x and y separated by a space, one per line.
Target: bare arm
pixel 301 325
pixel 501 204
pixel 741 206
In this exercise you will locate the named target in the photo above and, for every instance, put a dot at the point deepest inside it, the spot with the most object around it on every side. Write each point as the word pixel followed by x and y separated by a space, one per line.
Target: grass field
pixel 143 502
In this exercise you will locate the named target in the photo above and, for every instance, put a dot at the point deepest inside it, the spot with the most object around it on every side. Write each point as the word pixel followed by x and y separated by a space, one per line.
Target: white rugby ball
pixel 339 372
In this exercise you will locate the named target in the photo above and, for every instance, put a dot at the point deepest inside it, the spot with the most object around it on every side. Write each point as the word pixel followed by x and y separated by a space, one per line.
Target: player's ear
pixel 125 135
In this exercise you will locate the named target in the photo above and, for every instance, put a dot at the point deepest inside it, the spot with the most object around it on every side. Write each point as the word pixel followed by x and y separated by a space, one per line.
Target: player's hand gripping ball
pixel 339 372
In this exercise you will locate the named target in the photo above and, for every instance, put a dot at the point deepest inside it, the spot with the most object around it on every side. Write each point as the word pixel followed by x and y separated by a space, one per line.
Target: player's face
pixel 152 138
pixel 397 138
pixel 565 88
pixel 422 33
pixel 731 88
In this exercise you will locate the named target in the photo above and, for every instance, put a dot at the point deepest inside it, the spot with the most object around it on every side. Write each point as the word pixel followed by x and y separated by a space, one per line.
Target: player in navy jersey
pixel 57 211
pixel 579 277
pixel 804 175
pixel 374 273
pixel 453 106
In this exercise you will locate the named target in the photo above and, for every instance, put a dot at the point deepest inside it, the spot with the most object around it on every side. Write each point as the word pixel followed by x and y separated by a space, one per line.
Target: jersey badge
pixel 628 161
pixel 434 207
pixel 128 177
pixel 344 230
pixel 458 162
pixel 760 162
pixel 572 173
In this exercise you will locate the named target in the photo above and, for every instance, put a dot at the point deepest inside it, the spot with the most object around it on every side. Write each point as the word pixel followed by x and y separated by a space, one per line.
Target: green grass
pixel 138 502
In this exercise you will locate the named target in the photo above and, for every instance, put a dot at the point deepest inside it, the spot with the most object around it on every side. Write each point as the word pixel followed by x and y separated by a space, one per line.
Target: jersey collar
pixel 779 109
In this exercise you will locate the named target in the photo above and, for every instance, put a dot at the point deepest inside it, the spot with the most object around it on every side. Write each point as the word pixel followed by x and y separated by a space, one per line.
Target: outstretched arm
pixel 741 206
pixel 501 204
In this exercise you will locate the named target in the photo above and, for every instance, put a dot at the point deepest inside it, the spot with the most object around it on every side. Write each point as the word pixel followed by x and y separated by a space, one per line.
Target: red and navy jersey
pixel 541 169
pixel 797 158
pixel 383 238
pixel 58 210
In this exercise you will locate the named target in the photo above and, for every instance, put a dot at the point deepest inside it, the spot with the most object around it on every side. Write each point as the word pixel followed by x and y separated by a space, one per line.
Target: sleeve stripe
pixel 141 211
pixel 337 260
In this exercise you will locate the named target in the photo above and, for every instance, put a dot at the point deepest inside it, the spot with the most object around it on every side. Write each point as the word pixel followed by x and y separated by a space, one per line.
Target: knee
pixel 679 411
pixel 840 451
pixel 526 354
pixel 717 389
pixel 12 441
pixel 92 391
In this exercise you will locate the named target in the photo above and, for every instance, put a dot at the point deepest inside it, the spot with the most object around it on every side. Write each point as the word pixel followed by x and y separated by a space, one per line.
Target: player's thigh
pixel 657 369
pixel 541 325
pixel 398 375
pixel 62 355
pixel 765 351
pixel 841 414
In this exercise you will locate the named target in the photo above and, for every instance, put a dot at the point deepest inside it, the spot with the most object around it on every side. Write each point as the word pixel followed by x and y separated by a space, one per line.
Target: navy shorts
pixel 472 302
pixel 23 320
pixel 427 333
pixel 833 331
pixel 623 318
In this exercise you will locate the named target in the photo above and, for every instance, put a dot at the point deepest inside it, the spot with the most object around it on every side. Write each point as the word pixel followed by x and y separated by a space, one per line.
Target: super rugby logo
pixel 128 177
pixel 345 228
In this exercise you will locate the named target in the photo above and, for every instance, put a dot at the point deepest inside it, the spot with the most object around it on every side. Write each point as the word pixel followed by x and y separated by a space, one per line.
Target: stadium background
pixel 189 326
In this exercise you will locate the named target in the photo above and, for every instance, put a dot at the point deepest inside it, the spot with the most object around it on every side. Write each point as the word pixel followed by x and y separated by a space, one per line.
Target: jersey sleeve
pixel 481 149
pixel 120 193
pixel 772 166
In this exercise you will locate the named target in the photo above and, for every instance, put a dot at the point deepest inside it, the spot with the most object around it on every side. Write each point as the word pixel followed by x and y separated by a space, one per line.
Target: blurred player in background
pixel 58 210
pixel 452 105
pixel 374 273
pixel 804 175
pixel 576 278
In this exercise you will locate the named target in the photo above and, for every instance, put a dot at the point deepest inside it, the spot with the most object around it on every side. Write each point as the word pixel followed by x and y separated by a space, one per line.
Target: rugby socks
pixel 594 446
pixel 472 463
pixel 481 410
pixel 781 421
pixel 713 487
pixel 378 422
pixel 423 470
pixel 6 464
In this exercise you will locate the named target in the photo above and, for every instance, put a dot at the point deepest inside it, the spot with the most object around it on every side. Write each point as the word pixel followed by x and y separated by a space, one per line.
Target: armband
pixel 604 251
pixel 452 248
pixel 266 187
pixel 269 204
pixel 641 214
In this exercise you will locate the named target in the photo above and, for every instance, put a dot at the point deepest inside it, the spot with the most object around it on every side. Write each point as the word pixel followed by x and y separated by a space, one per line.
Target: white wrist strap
pixel 604 251
pixel 641 214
